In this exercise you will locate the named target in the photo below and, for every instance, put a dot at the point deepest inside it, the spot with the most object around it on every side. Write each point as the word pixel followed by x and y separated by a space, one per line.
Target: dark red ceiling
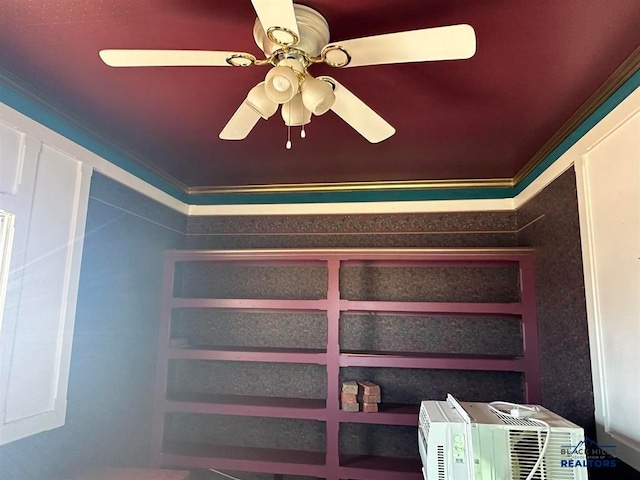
pixel 536 64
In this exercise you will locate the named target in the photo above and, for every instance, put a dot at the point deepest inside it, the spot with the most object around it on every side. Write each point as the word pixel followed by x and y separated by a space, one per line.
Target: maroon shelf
pixel 416 263
pixel 250 354
pixel 254 263
pixel 387 414
pixel 367 467
pixel 497 255
pixel 432 361
pixel 247 303
pixel 431 307
pixel 250 406
pixel 244 459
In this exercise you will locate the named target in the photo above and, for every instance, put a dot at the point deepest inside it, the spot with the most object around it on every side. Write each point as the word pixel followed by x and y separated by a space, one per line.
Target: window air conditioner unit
pixel 498 441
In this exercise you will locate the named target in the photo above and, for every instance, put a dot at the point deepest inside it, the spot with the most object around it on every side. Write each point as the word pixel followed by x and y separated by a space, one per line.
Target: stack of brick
pixel 369 396
pixel 349 397
pixel 357 394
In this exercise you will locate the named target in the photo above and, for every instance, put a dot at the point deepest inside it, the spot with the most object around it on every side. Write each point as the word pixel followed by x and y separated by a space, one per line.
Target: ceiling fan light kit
pixel 317 95
pixel 294 112
pixel 281 84
pixel 260 101
pixel 295 37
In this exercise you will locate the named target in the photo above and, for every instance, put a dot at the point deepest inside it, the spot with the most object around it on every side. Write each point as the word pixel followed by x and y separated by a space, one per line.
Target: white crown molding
pixel 355 208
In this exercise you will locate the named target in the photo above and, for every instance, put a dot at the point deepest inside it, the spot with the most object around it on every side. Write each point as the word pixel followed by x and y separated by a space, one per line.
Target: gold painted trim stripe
pixel 360 252
pixel 338 234
pixel 615 81
pixel 355 186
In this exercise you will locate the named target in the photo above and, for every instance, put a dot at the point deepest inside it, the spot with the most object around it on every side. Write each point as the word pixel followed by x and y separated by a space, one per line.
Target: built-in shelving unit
pixel 331 463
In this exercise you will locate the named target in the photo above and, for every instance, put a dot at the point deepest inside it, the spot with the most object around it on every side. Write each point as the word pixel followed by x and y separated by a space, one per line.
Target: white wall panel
pixel 36 331
pixel 44 283
pixel 609 197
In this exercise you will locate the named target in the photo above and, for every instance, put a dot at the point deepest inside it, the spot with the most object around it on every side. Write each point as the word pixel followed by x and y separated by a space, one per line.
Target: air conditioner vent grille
pixel 525 447
pixel 441 468
pixel 425 422
pixel 424 416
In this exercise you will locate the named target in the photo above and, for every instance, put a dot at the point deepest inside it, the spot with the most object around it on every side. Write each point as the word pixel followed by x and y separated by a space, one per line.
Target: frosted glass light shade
pixel 258 100
pixel 294 114
pixel 317 95
pixel 281 84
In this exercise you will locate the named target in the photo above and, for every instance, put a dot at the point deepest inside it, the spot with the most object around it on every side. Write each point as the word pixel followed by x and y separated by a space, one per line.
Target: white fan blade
pixel 357 114
pixel 242 122
pixel 165 58
pixel 454 42
pixel 277 13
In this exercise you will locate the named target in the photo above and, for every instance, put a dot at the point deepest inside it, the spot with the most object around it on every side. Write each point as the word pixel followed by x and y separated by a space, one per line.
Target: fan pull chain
pixel 303 134
pixel 288 144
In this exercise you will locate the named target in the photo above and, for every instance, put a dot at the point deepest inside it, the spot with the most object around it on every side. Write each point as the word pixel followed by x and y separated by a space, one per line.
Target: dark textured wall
pixel 550 223
pixel 114 345
pixel 484 229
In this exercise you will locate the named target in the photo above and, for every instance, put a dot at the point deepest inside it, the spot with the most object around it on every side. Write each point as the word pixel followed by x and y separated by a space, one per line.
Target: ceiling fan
pixel 294 38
